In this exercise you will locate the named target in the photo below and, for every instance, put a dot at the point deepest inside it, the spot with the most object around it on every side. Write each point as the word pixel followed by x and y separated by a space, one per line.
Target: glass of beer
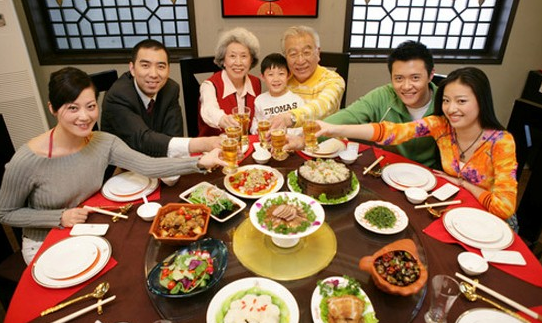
pixel 242 115
pixel 278 140
pixel 263 129
pixel 310 127
pixel 230 147
pixel 236 133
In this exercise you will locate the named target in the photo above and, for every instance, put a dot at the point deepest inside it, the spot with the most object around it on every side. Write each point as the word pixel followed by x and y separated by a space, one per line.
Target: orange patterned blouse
pixel 492 166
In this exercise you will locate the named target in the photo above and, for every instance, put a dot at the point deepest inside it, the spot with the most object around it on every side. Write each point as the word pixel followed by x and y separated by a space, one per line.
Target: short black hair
pixel 477 80
pixel 66 84
pixel 148 43
pixel 274 60
pixel 410 50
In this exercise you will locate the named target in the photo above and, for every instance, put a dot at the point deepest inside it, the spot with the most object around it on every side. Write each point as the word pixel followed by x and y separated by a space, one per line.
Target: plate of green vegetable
pixel 190 270
pixel 339 289
pixel 222 204
pixel 381 217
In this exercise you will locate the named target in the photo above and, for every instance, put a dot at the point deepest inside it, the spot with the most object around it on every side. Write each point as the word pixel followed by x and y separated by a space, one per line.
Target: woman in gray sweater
pixel 53 173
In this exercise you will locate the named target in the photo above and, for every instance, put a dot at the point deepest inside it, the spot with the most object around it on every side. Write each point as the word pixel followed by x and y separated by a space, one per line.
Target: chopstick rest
pixel 368 169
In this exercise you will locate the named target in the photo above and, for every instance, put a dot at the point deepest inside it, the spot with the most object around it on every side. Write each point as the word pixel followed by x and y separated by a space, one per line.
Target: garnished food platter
pixel 254 181
pixel 338 292
pixel 206 261
pixel 381 217
pixel 223 205
pixel 286 217
pixel 265 294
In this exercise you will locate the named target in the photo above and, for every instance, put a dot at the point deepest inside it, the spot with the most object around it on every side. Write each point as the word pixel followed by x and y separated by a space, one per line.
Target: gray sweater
pixel 36 190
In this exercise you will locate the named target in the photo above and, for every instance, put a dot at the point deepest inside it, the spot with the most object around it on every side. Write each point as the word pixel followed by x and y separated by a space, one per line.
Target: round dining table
pixel 137 252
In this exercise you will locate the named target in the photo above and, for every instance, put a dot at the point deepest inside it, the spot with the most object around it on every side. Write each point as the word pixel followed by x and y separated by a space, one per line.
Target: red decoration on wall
pixel 270 8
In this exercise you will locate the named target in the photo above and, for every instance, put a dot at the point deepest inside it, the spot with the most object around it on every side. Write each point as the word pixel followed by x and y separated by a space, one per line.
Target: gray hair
pixel 241 36
pixel 298 31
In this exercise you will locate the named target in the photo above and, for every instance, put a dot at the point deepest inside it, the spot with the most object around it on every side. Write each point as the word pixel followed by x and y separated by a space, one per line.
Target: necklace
pixel 462 154
pixel 50 152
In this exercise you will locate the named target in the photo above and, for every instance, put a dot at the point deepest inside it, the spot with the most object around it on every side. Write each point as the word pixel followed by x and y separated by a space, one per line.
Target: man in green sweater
pixel 408 97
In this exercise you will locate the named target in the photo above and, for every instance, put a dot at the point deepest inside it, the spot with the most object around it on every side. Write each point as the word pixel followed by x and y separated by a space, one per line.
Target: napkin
pixel 531 273
pixel 25 310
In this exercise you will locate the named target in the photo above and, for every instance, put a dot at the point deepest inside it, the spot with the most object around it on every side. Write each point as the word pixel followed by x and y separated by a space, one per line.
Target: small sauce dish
pixel 472 264
pixel 348 156
pixel 261 156
pixel 416 195
pixel 147 211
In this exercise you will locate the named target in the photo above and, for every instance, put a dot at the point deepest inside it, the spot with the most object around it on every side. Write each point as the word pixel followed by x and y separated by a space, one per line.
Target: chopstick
pixel 500 297
pixel 98 210
pixel 423 206
pixel 85 310
pixel 368 169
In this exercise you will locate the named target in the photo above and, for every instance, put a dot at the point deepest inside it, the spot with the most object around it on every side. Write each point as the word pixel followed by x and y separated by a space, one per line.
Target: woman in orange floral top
pixel 476 152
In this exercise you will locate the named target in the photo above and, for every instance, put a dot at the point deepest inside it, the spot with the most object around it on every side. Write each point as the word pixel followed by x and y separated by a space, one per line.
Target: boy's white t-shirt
pixel 266 106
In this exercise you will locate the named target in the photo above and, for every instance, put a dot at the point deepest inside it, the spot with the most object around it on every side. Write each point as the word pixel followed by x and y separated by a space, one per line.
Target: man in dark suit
pixel 142 107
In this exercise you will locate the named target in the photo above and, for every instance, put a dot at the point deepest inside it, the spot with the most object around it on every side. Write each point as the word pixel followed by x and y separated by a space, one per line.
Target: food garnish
pixel 187 272
pixel 334 292
pixel 214 198
pixel 398 267
pixel 253 181
pixel 381 217
pixel 286 215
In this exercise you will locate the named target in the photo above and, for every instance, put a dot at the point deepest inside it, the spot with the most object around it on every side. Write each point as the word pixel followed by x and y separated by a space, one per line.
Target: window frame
pixel 44 41
pixel 493 53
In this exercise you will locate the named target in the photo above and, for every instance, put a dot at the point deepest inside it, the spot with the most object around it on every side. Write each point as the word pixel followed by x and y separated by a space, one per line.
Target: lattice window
pixel 74 27
pixel 466 27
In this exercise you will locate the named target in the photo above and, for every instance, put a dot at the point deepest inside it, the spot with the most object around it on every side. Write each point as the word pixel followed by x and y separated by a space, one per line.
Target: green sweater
pixel 383 104
pixel 36 190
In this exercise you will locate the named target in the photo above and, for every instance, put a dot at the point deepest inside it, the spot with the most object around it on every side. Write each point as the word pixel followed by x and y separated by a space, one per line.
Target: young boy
pixel 278 99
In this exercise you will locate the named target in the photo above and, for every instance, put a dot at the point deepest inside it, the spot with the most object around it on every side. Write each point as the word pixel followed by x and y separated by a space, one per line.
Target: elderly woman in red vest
pixel 236 53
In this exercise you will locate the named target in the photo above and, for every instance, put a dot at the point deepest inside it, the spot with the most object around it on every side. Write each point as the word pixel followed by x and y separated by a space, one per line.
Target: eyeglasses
pixel 306 54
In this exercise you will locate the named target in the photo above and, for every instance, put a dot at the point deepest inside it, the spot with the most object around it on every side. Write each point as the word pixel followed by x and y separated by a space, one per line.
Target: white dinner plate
pixel 327 149
pixel 349 196
pixel 67 258
pixel 485 315
pixel 108 194
pixel 247 283
pixel 304 199
pixel 242 205
pixel 316 299
pixel 482 227
pixel 472 213
pixel 257 195
pixel 401 218
pixel 127 183
pixel 407 173
pixel 104 253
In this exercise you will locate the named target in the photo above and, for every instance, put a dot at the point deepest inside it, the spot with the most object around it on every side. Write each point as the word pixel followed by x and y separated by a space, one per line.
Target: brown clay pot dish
pixel 179 240
pixel 367 264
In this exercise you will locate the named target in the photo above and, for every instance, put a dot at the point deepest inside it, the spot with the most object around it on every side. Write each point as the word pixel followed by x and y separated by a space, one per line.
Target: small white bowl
pixel 472 264
pixel 261 156
pixel 147 212
pixel 416 195
pixel 348 157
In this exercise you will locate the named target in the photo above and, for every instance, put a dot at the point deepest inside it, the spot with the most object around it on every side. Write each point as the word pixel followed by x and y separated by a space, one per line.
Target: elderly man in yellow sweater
pixel 321 88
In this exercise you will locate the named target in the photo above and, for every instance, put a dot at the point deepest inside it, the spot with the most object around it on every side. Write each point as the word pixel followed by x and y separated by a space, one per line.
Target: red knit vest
pixel 228 103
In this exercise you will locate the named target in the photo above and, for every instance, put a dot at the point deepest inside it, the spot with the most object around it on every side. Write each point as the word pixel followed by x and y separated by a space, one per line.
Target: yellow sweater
pixel 322 93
